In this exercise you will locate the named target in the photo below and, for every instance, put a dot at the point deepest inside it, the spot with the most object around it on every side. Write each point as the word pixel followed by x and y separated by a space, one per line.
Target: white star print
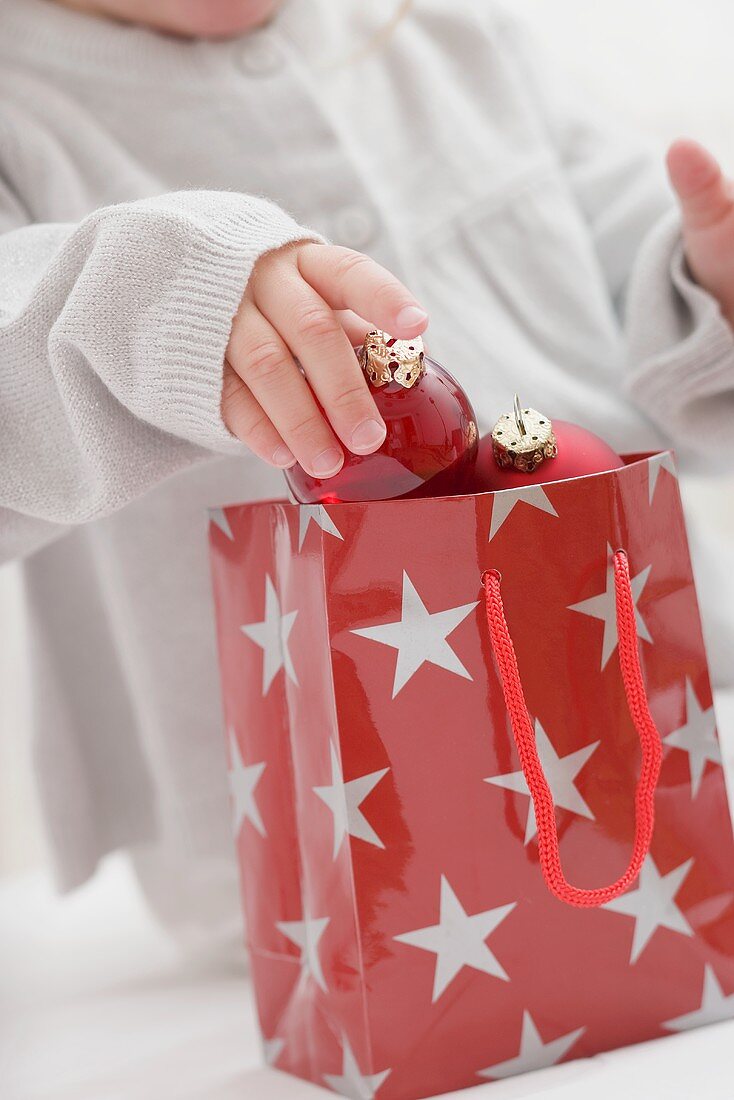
pixel 505 500
pixel 458 940
pixel 219 519
pixel 316 513
pixel 664 461
pixel 420 636
pixel 242 783
pixel 604 607
pixel 534 1053
pixel 353 1082
pixel 560 771
pixel 306 934
pixel 715 1006
pixel 652 904
pixel 272 636
pixel 344 801
pixel 272 1049
pixel 697 737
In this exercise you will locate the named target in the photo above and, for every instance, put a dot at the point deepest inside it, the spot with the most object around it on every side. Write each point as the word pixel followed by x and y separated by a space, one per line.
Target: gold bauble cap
pixel 385 359
pixel 523 439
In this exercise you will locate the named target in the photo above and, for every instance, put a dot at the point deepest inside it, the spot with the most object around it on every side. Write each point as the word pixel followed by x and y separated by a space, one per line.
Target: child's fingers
pixel 312 331
pixel 247 420
pixel 350 280
pixel 355 326
pixel 266 366
pixel 703 190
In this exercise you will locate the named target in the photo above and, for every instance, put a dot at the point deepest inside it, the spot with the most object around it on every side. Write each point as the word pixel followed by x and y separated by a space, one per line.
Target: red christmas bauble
pixel 431 444
pixel 545 451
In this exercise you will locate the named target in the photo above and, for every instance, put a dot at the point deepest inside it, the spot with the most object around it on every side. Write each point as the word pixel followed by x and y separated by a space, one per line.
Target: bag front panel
pixel 417 693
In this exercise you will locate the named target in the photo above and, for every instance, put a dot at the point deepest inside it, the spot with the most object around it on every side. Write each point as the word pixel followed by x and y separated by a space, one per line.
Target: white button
pixel 260 55
pixel 355 226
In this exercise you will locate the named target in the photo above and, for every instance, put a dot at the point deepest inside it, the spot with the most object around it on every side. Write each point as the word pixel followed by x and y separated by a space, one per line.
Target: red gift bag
pixel 476 785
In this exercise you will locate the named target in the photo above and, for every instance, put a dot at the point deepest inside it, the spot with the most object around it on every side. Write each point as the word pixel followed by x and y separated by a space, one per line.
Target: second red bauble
pixel 580 452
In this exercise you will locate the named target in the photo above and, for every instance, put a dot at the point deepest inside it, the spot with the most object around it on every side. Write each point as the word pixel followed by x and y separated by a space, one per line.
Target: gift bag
pixel 476 785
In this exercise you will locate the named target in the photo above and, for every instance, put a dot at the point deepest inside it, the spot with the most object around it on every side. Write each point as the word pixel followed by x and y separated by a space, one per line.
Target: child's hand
pixel 707 202
pixel 288 312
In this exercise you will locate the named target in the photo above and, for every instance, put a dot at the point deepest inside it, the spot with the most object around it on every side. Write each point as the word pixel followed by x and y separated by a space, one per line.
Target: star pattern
pixel 458 940
pixel 272 636
pixel 306 934
pixel 663 461
pixel 315 513
pixel 505 500
pixel 560 772
pixel 534 1053
pixel 344 801
pixel 697 737
pixel 352 1082
pixel 242 783
pixel 420 636
pixel 604 607
pixel 219 519
pixel 418 851
pixel 715 1006
pixel 652 904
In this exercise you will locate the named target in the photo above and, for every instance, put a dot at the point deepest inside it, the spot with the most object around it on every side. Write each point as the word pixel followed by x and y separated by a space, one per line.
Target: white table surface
pixel 95 1004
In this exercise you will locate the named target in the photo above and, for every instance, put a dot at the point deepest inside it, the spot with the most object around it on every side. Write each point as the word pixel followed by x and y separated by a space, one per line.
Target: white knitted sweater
pixel 519 217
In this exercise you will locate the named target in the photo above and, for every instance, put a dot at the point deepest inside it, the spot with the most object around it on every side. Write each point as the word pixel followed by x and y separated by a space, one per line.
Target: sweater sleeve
pixel 112 341
pixel 680 349
pixel 681 361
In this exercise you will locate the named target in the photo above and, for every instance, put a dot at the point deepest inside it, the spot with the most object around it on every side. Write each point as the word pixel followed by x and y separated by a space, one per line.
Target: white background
pixel 665 65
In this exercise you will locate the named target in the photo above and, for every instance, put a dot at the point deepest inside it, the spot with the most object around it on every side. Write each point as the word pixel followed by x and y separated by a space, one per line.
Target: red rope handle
pixel 522 729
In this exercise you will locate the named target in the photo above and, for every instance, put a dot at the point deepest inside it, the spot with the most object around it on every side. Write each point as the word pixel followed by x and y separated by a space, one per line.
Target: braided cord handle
pixel 522 730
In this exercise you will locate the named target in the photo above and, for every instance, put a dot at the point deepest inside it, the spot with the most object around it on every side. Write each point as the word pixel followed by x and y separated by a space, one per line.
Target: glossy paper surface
pixel 433 825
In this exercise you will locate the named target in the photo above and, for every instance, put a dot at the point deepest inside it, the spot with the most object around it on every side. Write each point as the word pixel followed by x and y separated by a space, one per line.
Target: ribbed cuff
pixel 682 347
pixel 228 234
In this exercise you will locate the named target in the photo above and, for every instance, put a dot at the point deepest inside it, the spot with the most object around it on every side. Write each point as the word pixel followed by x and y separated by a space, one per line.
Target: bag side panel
pixel 244 573
pixel 326 1008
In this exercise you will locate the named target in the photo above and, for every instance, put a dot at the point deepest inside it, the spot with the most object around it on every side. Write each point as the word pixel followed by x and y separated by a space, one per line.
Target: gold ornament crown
pixel 385 359
pixel 523 439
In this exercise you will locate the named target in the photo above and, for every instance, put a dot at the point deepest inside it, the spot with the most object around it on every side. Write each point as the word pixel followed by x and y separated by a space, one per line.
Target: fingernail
pixel 327 463
pixel 411 317
pixel 367 436
pixel 283 457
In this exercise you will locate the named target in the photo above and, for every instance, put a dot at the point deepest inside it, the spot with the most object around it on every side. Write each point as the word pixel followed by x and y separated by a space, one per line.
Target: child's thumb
pixel 703 190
